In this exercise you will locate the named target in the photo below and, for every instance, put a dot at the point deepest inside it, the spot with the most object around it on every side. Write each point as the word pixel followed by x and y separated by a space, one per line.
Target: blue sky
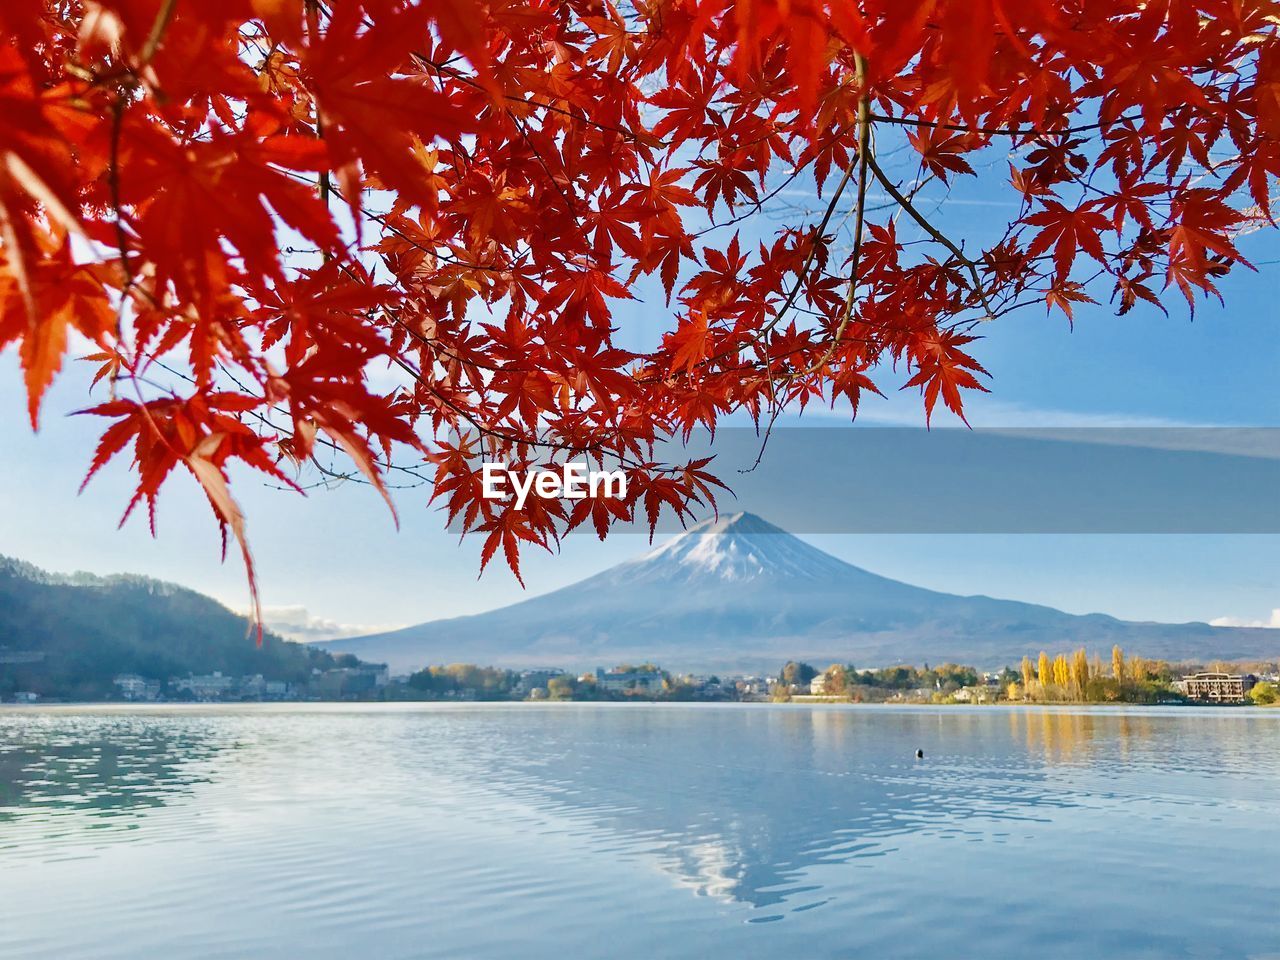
pixel 335 558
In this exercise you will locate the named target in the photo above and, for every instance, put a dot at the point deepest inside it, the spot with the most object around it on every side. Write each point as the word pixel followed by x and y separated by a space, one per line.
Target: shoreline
pixel 390 706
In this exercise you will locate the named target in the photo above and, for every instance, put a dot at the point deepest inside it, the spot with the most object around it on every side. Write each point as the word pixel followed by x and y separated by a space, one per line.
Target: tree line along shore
pixel 1074 677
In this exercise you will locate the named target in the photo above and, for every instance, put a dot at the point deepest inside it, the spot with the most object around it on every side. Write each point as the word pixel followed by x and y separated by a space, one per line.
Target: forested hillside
pixel 89 629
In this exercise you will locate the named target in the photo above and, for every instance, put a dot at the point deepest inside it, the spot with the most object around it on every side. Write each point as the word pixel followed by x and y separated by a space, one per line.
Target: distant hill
pixel 741 594
pixel 88 629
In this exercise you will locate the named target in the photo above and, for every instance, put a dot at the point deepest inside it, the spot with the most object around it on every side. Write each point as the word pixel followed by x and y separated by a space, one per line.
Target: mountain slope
pixel 89 629
pixel 739 593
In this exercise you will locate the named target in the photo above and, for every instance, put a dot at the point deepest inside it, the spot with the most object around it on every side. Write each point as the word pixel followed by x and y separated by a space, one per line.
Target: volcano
pixel 739 594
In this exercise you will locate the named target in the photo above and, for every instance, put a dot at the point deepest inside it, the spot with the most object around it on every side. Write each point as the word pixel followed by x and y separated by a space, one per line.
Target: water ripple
pixel 490 830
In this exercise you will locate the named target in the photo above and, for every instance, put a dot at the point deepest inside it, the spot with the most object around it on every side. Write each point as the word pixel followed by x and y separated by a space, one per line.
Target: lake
pixel 638 830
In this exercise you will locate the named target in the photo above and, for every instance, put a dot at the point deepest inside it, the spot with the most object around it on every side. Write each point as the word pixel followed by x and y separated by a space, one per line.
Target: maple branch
pixel 426 61
pixel 865 160
pixel 998 131
pixel 557 105
pixel 756 206
pixel 313 27
pixel 818 233
pixel 158 27
pixel 860 203
pixel 471 419
pixel 893 191
pixel 389 464
pixel 113 185
pixel 383 221
pixel 270 424
pixel 555 181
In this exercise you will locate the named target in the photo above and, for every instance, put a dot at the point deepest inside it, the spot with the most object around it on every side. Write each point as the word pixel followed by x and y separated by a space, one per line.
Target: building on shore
pixel 631 681
pixel 344 683
pixel 536 679
pixel 209 686
pixel 755 688
pixel 279 690
pixel 257 687
pixel 137 689
pixel 1218 687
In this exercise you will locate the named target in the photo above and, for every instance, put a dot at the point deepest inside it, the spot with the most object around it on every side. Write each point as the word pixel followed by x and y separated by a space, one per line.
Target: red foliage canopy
pixel 384 236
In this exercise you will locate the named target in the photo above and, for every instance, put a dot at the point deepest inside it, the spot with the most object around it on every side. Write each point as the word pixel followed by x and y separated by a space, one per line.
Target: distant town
pixel 1073 678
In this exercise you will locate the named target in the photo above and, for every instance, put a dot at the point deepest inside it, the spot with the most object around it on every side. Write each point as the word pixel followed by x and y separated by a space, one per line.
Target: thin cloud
pixel 907 410
pixel 299 624
pixel 1271 624
pixel 1106 428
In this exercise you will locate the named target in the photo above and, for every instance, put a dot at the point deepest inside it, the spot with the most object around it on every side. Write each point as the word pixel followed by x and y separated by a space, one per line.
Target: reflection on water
pixel 519 828
pixel 79 764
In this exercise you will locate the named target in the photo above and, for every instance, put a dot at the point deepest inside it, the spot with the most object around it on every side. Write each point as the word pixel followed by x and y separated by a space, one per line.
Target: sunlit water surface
pixel 629 831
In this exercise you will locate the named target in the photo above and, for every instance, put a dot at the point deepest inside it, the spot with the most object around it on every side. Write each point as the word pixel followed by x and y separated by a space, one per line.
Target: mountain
pixel 738 593
pixel 69 636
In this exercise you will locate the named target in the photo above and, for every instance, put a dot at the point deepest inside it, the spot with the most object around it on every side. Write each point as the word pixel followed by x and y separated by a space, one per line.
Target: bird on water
pixel 919 754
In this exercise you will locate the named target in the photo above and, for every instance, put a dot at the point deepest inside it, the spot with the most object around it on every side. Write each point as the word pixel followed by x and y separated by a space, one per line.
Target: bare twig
pixel 156 35
pixel 893 191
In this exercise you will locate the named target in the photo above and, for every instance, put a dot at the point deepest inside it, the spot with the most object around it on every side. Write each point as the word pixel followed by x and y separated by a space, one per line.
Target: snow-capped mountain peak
pixel 737 593
pixel 733 548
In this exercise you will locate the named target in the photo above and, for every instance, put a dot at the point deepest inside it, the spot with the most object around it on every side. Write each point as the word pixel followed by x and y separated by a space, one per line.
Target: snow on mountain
pixel 735 548
pixel 737 593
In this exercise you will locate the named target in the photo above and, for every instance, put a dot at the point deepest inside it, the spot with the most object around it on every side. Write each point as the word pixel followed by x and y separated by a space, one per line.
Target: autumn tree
pixel 561 687
pixel 837 680
pixel 1080 671
pixel 379 240
pixel 1061 672
pixel 1264 694
pixel 795 674
pixel 1137 669
pixel 1028 675
pixel 1117 664
pixel 1044 672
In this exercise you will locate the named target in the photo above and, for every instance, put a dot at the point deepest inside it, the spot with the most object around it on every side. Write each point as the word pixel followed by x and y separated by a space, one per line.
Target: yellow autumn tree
pixel 1028 676
pixel 1061 671
pixel 837 681
pixel 1080 672
pixel 1117 663
pixel 1043 670
pixel 1137 670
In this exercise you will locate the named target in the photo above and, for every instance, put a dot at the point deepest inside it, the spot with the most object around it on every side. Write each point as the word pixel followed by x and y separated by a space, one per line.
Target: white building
pixel 531 680
pixel 278 690
pixel 136 688
pixel 209 686
pixel 638 681
pixel 1219 687
pixel 756 686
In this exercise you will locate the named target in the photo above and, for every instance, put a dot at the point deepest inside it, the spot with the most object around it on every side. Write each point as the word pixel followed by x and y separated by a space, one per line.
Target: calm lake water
pixel 638 831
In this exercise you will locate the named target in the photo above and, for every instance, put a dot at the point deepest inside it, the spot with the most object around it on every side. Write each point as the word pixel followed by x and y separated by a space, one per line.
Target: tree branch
pixel 158 27
pixel 996 131
pixel 893 191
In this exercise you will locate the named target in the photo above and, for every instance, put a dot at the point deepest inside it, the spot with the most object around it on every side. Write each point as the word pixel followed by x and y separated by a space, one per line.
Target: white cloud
pixel 1035 423
pixel 906 409
pixel 1273 623
pixel 298 623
